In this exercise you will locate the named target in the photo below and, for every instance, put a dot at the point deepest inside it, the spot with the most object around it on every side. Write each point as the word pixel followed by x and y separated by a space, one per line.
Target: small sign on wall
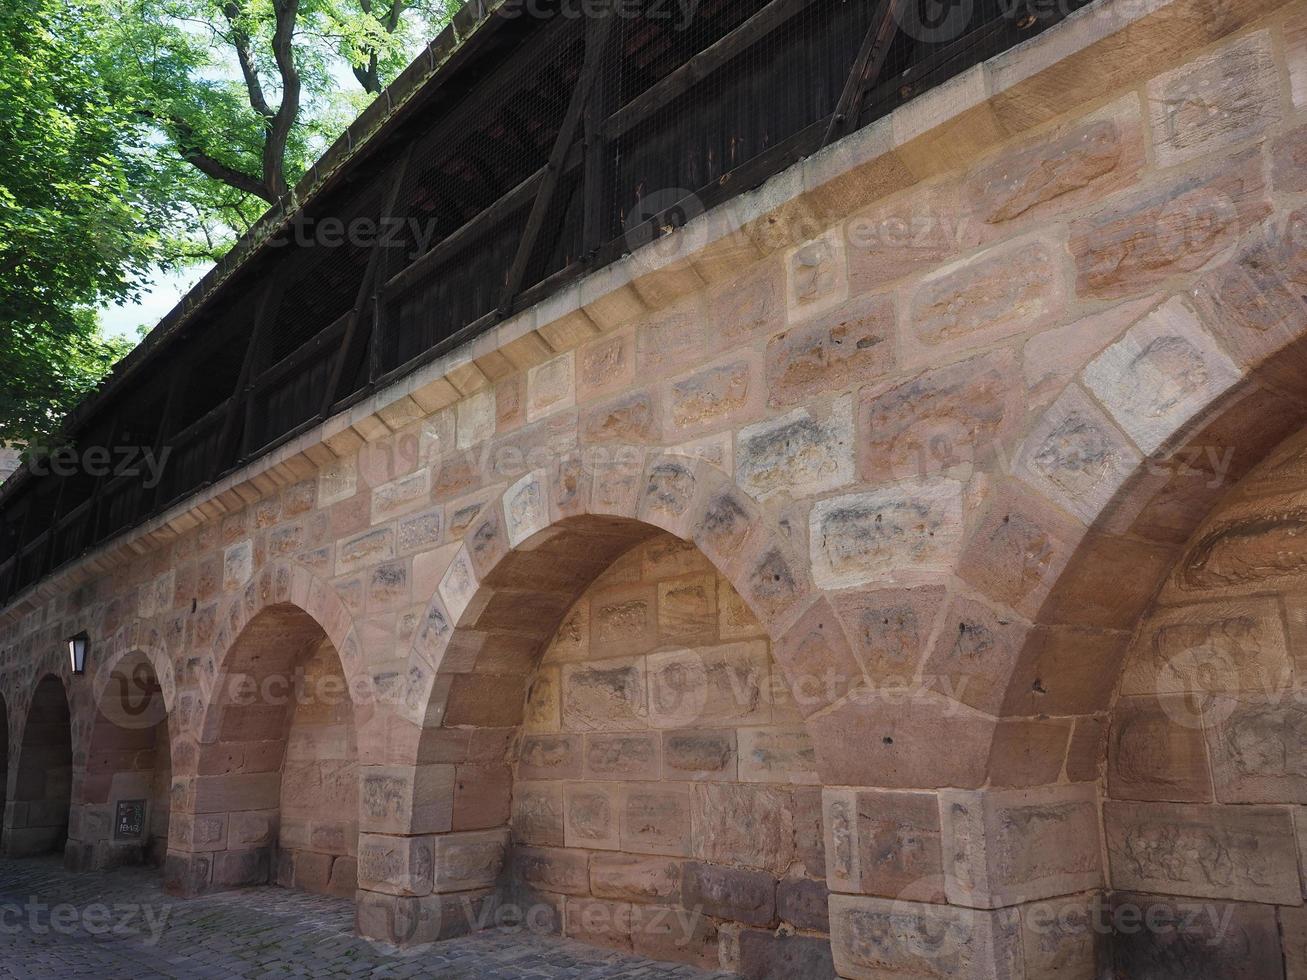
pixel 129 820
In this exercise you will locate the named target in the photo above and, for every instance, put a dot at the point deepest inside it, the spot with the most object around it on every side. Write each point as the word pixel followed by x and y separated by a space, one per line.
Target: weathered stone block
pixel 623 620
pixel 1156 750
pixel 817 275
pixel 1015 289
pixel 462 862
pixel 552 869
pixel 938 421
pixel 908 738
pixel 797 454
pixel 1213 647
pixel 697 754
pixel 687 609
pixel 634 756
pixel 877 938
pixel 681 937
pixel 1158 376
pixel 1215 101
pixel 901 532
pixel 592 814
pixel 550 387
pixel 632 878
pixel 802 903
pixel 886 843
pixel 406 799
pixel 974 654
pixel 1076 456
pixel 395 865
pixel 1073 165
pixel 727 685
pixel 482 795
pixel 606 695
pixel 1068 938
pixel 1190 940
pixel 1133 244
pixel 911 233
pixel 656 819
pixel 538 813
pixel 744 824
pixel 777 755
pixel 1245 853
pixel 889 629
pixel 841 349
pixel 1258 745
pixel 768 956
pixel 742 896
pixel 710 398
pixel 550 757
pixel 1012 846
pixel 629 418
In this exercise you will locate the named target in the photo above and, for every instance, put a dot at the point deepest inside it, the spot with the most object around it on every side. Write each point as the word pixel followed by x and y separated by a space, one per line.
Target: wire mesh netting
pixel 430 237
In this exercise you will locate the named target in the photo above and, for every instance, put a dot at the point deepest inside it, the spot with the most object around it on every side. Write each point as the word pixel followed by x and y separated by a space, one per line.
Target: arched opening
pixel 1206 757
pixel 276 795
pixel 38 821
pixel 623 758
pixel 121 814
pixel 665 793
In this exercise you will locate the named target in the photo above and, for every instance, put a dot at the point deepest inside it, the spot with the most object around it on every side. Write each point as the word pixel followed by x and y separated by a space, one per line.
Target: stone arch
pixel 122 792
pixel 279 584
pixel 36 819
pixel 276 719
pixel 499 598
pixel 1072 542
pixel 1069 538
pixel 1206 738
pixel 1080 564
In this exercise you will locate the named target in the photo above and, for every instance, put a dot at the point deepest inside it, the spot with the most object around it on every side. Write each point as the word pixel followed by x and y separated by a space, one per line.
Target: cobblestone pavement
pixel 120 924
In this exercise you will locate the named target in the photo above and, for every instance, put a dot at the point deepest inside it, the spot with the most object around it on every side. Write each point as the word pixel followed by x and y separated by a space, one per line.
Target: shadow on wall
pixel 121 814
pixel 39 810
pixel 276 795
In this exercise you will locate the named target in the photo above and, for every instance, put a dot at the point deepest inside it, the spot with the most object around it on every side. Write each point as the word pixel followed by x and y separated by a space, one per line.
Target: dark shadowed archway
pixel 275 795
pixel 43 789
pixel 121 807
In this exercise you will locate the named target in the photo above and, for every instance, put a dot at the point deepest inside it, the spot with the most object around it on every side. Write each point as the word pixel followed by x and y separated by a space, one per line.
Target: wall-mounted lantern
pixel 77 652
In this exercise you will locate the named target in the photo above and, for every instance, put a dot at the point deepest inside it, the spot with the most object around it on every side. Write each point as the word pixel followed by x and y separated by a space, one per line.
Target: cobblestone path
pixel 119 925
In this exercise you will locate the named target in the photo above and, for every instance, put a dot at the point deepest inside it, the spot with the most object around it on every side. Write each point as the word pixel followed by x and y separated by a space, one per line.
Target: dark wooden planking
pixel 705 114
pixel 699 67
pixel 867 66
pixel 354 341
pixel 240 396
pixel 598 27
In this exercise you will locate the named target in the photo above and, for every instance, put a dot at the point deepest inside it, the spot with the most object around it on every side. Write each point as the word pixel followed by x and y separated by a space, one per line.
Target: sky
pixel 164 292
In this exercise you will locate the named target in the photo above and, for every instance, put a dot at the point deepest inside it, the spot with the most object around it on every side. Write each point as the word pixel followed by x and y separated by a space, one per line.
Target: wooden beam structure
pixel 527 151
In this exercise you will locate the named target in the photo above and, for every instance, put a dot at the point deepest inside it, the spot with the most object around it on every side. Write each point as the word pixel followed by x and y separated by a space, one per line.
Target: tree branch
pixel 279 127
pixel 240 40
pixel 189 149
pixel 369 77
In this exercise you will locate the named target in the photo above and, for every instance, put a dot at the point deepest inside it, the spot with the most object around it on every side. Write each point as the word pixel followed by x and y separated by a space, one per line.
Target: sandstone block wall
pixel 317 822
pixel 664 764
pixel 944 406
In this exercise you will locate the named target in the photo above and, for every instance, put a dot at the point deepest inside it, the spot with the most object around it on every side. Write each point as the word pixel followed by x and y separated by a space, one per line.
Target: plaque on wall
pixel 129 820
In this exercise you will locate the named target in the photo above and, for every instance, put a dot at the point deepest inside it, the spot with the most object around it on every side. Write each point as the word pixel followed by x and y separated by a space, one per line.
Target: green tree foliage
pixel 145 134
pixel 77 210
pixel 247 93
